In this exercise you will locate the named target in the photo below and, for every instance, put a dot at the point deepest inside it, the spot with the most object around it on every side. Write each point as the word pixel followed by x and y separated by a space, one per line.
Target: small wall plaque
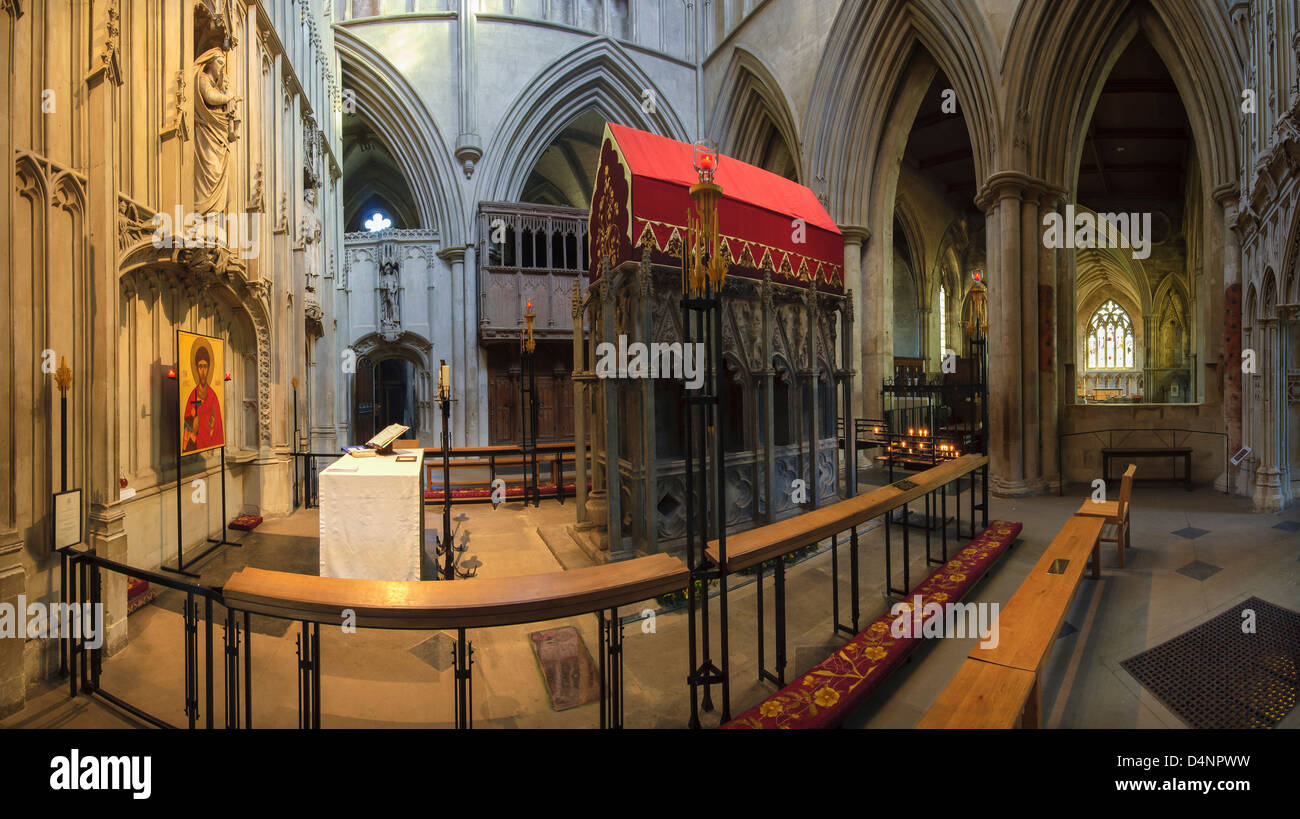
pixel 1058 566
pixel 904 484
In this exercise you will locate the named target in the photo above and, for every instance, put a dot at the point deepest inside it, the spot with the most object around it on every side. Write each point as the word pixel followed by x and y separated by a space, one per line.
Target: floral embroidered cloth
pixel 823 697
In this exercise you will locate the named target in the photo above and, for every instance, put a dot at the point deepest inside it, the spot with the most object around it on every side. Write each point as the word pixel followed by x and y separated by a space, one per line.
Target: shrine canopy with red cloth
pixel 765 221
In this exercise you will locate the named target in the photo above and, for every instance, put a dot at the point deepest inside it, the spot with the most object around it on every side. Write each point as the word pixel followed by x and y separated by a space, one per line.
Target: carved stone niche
pixel 213 25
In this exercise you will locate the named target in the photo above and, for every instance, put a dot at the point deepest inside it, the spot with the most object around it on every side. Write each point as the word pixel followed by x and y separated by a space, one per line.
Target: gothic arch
pixel 843 128
pixel 1067 51
pixel 246 300
pixel 750 93
pixel 598 75
pixel 398 114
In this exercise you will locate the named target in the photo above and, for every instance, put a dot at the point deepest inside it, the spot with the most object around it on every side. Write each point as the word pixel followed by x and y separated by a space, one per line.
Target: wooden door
pixel 363 401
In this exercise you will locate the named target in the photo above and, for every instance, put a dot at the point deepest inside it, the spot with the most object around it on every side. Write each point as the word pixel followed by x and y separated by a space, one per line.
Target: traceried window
pixel 378 222
pixel 1110 339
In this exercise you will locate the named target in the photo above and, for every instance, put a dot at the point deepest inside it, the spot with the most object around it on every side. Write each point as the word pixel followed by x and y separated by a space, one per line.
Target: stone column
pixel 461 369
pixel 475 356
pixel 1048 364
pixel 1031 239
pixel 1268 478
pixel 877 323
pixel 13 578
pixel 1001 202
pixel 106 525
pixel 855 238
pixel 1150 338
pixel 1232 319
pixel 579 404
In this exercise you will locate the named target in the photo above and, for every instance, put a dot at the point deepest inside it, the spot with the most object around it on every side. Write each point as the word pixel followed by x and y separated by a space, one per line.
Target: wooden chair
pixel 1116 513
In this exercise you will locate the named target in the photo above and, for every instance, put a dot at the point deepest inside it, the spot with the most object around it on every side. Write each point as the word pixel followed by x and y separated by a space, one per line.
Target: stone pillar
pixel 579 403
pixel 106 529
pixel 1031 239
pixel 1232 318
pixel 1150 338
pixel 877 323
pixel 1268 495
pixel 855 238
pixel 1001 202
pixel 461 370
pixel 1048 365
pixel 13 578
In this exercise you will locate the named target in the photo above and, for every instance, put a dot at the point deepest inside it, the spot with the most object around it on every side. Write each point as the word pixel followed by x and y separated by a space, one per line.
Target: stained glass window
pixel 1110 339
pixel 378 222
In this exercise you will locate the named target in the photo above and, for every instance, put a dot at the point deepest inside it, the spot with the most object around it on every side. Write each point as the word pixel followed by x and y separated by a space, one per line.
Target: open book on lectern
pixel 384 440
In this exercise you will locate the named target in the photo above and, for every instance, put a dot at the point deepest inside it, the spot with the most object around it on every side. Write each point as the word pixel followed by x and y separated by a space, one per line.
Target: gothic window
pixel 1110 339
pixel 378 222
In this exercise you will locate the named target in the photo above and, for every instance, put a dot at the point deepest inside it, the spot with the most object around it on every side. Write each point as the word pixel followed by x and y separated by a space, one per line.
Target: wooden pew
pixel 1027 629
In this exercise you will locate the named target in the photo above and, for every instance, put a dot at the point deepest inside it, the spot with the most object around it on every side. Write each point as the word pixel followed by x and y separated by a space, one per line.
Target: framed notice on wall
pixel 201 361
pixel 67 518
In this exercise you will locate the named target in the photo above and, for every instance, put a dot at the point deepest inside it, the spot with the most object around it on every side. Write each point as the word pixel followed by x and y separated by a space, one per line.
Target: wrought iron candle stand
pixel 703 273
pixel 446 548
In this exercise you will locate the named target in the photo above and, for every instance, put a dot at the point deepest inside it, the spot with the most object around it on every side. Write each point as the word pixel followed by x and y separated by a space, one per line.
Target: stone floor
pixel 1194 555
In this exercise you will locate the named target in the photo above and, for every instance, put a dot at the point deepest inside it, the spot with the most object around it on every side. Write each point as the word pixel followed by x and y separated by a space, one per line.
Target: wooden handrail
pixel 483 601
pixel 754 546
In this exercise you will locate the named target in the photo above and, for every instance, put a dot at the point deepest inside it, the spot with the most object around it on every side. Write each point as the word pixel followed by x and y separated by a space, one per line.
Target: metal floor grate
pixel 1218 676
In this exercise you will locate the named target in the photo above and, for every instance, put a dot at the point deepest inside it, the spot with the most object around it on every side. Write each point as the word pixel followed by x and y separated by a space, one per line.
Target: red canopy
pixel 766 222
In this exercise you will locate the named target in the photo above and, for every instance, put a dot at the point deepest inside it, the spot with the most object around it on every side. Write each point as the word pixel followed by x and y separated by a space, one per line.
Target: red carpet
pixel 824 696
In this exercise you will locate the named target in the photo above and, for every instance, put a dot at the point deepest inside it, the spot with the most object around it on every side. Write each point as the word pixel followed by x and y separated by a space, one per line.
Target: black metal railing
pixel 504 462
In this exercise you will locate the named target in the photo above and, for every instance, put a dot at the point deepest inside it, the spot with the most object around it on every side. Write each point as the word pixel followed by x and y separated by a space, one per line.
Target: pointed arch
pixel 1068 50
pixel 598 75
pixel 843 128
pixel 750 93
pixel 398 114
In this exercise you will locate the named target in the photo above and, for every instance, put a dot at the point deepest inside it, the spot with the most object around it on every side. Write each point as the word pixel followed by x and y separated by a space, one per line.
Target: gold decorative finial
pixel 63 376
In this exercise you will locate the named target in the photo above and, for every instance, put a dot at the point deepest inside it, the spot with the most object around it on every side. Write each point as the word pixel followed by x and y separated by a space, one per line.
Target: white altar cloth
pixel 372 517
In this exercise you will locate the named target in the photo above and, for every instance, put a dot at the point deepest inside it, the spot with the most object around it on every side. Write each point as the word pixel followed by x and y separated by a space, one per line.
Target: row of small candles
pixel 919 442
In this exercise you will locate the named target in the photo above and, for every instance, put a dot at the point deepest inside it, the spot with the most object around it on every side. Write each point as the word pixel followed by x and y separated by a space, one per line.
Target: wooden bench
pixel 825 695
pixel 1027 630
pixel 982 695
pixel 1128 453
pixel 460 605
pixel 756 546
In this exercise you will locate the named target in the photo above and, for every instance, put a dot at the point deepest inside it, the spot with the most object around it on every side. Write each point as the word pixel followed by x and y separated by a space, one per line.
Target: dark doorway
pixel 383 394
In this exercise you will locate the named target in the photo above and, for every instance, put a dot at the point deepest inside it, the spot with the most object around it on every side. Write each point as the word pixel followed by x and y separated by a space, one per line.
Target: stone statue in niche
pixel 215 127
pixel 390 293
